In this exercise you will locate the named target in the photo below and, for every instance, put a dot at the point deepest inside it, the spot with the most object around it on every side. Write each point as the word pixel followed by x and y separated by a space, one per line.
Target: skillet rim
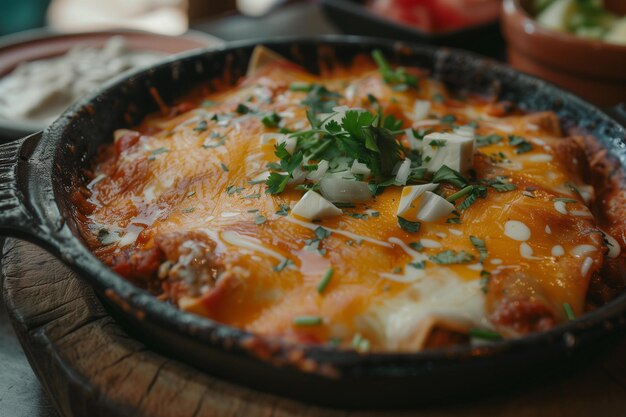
pixel 138 302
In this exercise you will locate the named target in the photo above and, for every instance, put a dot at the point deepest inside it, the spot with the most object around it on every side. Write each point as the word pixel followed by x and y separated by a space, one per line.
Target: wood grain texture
pixel 91 367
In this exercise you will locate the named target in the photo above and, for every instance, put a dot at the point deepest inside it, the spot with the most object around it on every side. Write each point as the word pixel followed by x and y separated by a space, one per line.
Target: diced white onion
pixel 457 152
pixel 415 143
pixel 313 206
pixel 340 190
pixel 360 168
pixel 132 232
pixel 421 108
pixel 434 208
pixel 411 200
pixel 612 244
pixel 322 167
pixel 298 176
pixel 403 171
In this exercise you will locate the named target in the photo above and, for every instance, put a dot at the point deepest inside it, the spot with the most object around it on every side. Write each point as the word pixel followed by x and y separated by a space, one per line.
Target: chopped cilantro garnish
pixel 276 182
pixel 212 145
pixel 411 227
pixel 308 321
pixel 454 220
pixel 259 219
pixel 521 144
pixel 363 216
pixel 284 210
pixel 156 152
pixel 418 265
pixel 461 193
pixel 448 119
pixel 449 257
pixel 416 246
pixel 344 205
pixel 242 109
pixel 191 194
pixel 568 311
pixel 321 100
pixel 300 86
pixel 232 189
pixel 446 174
pixel 283 264
pixel 488 140
pixel 250 196
pixel 484 281
pixel 437 143
pixel 201 126
pixel 360 343
pixel 188 210
pixel 322 233
pixel 480 245
pixel 501 184
pixel 477 191
pixel 399 76
pixel 271 120
pixel 321 286
pixel 484 334
pixel 224 167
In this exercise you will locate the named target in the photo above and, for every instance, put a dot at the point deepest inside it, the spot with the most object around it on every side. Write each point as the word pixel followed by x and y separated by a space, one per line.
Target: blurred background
pixel 577 44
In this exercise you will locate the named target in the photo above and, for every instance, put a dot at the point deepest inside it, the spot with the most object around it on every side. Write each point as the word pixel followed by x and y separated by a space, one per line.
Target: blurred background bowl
pixel 42 44
pixel 591 68
pixel 355 17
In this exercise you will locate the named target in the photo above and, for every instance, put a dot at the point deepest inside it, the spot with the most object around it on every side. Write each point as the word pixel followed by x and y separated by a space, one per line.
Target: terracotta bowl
pixel 592 69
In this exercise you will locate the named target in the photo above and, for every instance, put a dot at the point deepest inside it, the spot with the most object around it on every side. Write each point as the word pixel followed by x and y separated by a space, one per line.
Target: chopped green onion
pixel 325 280
pixel 484 334
pixel 568 311
pixel 461 193
pixel 306 321
pixel 283 264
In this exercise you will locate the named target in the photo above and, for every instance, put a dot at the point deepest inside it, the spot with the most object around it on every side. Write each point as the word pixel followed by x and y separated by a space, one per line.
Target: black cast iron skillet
pixel 39 173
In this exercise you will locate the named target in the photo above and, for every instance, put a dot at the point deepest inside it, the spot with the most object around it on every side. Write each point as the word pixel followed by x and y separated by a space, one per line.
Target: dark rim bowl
pixel 38 44
pixel 39 173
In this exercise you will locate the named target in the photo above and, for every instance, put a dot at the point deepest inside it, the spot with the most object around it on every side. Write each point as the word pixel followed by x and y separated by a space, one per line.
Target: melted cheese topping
pixel 190 187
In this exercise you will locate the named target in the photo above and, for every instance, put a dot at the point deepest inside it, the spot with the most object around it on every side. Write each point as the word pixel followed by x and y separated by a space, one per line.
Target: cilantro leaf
pixel 488 140
pixel 276 183
pixel 355 121
pixel 271 120
pixel 407 226
pixel 477 191
pixel 399 76
pixel 449 257
pixel 521 144
pixel 242 109
pixel 320 99
pixel 479 244
pixel 501 185
pixel 447 174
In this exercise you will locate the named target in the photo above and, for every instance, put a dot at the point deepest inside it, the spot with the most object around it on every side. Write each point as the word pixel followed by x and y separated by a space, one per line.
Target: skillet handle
pixel 16 218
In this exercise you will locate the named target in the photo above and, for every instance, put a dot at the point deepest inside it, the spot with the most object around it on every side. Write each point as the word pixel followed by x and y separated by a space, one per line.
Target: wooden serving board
pixel 91 367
